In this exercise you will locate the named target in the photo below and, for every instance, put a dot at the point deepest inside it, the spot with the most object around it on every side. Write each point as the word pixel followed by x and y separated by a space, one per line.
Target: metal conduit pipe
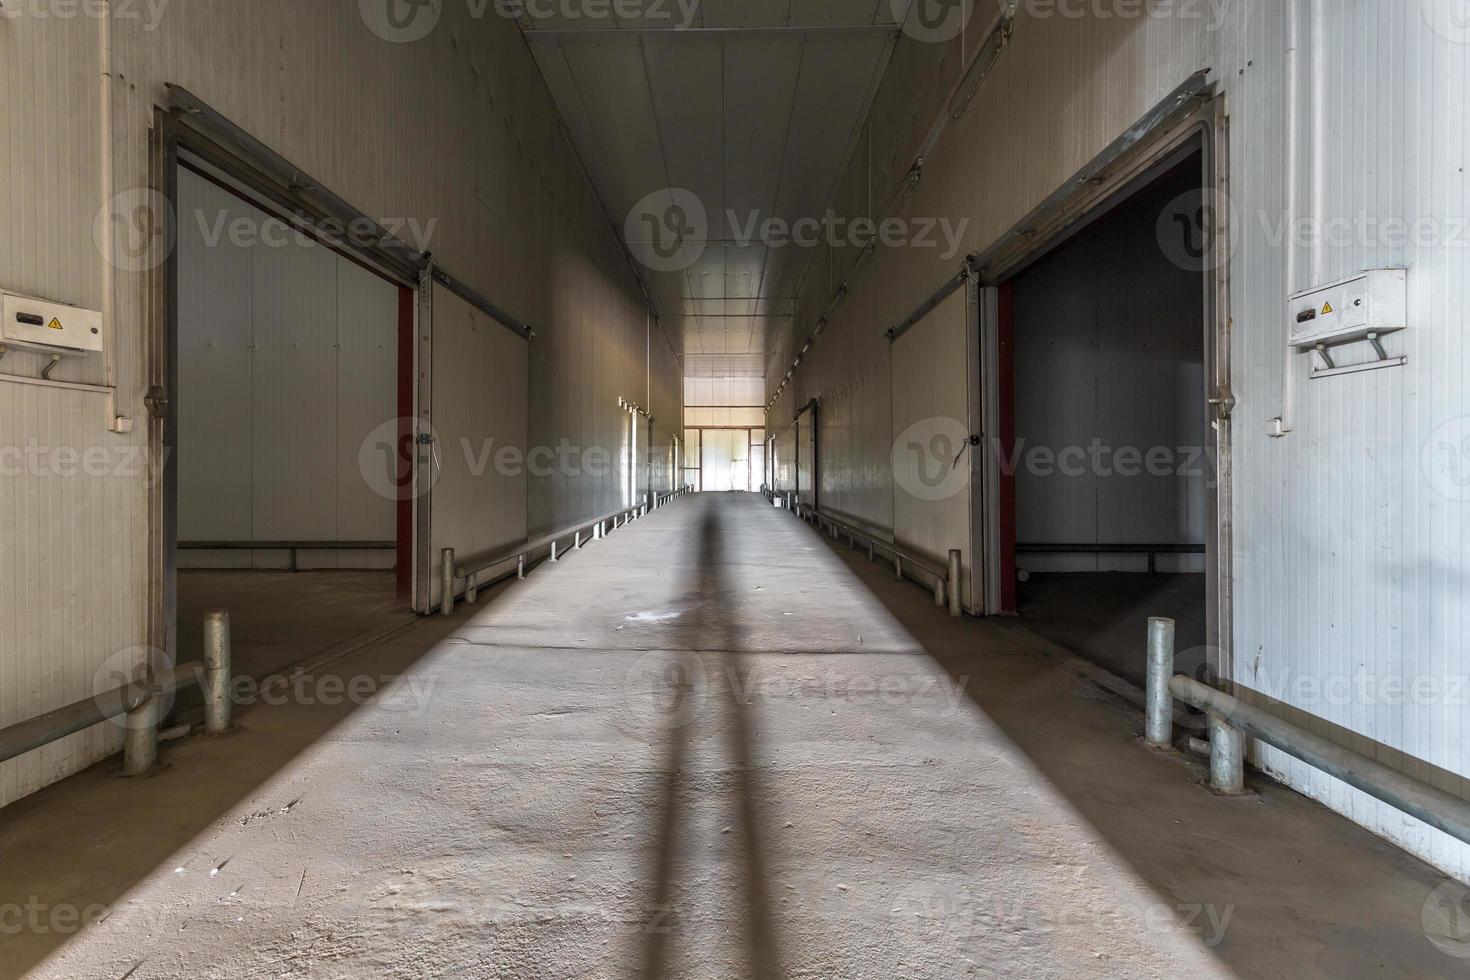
pixel 1435 807
pixel 955 608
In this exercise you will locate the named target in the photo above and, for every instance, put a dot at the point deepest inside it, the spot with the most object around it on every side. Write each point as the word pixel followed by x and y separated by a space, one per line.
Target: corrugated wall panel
pixel 454 134
pixel 1351 534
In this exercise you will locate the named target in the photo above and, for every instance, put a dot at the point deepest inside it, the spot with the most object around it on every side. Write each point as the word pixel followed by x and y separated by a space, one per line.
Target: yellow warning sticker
pixel 1327 308
pixel 55 324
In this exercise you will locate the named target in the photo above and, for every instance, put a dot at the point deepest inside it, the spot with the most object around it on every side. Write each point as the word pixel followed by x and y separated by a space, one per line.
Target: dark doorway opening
pixel 1112 451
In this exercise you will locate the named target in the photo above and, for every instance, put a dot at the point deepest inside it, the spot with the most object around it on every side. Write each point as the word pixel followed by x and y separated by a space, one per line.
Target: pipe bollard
pixel 217 672
pixel 520 566
pixel 140 738
pixel 955 608
pixel 1158 725
pixel 1227 757
pixel 446 582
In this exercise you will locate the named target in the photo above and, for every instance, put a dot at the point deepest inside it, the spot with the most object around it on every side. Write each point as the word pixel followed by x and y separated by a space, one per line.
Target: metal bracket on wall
pixel 1331 369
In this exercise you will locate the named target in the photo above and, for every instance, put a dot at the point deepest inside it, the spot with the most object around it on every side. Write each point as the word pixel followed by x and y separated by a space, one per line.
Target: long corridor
pixel 709 745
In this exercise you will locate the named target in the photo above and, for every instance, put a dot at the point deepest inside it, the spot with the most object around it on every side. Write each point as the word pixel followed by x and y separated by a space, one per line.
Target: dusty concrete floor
pixel 709 746
pixel 1103 616
pixel 278 619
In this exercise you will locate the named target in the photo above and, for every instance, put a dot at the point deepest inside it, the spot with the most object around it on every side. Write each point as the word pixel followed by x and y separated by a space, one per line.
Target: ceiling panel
pixel 750 113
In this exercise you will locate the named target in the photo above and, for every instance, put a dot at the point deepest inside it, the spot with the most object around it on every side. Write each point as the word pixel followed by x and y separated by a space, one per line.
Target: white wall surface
pixel 455 131
pixel 287 361
pixel 1352 535
pixel 931 510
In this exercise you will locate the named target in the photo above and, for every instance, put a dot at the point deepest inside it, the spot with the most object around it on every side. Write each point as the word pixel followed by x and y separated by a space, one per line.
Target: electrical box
pixel 1375 302
pixel 45 326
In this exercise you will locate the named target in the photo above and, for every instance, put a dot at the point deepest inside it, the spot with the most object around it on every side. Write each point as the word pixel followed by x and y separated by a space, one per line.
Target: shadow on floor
pixel 269 740
pixel 1307 892
pixel 711 623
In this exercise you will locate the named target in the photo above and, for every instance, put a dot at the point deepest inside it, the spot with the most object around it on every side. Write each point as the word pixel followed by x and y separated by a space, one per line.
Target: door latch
pixel 157 403
pixel 1224 403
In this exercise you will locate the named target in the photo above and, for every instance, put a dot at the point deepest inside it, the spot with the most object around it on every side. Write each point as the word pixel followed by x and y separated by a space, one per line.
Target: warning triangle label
pixel 1327 308
pixel 55 324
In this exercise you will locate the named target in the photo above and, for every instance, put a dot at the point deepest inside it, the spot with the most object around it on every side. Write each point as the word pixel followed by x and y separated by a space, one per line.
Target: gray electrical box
pixel 39 324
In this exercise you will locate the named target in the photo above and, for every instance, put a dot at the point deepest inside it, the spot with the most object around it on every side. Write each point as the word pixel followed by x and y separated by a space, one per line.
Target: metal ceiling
pixel 752 105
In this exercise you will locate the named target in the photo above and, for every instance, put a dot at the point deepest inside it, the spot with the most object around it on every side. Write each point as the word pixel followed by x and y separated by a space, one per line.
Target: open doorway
pixel 725 459
pixel 1112 450
pixel 292 463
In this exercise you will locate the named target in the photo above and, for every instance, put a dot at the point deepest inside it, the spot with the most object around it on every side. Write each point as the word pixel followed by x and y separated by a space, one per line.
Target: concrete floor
pixel 1103 616
pixel 709 746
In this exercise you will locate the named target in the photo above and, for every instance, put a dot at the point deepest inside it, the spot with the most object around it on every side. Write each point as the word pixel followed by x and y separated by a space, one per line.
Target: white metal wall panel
pixel 485 180
pixel 480 405
pixel 1351 537
pixel 931 510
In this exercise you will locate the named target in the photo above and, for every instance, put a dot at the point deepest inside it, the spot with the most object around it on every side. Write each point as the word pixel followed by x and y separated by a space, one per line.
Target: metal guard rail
pixel 453 572
pixel 1231 720
pixel 944 580
pixel 141 702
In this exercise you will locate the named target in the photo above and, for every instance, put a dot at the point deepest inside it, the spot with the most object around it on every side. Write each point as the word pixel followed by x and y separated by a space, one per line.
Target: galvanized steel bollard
pixel 140 738
pixel 955 608
pixel 446 582
pixel 217 677
pixel 1227 757
pixel 1158 724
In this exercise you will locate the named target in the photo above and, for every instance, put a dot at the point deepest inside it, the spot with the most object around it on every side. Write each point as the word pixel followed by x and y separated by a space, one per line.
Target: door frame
pixel 1194 119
